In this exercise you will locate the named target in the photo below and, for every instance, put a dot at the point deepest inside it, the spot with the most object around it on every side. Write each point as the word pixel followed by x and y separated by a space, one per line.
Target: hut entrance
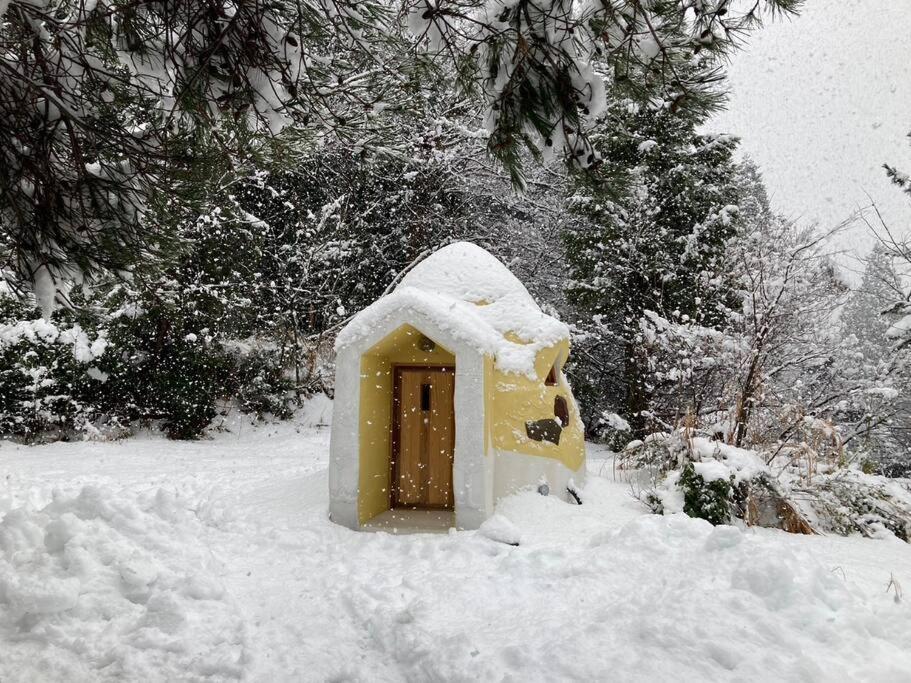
pixel 423 437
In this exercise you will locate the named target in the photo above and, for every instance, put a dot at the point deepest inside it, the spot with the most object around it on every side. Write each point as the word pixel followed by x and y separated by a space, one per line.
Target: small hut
pixel 449 395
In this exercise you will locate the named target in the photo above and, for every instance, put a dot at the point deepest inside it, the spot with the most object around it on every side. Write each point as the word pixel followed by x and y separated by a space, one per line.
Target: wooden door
pixel 423 437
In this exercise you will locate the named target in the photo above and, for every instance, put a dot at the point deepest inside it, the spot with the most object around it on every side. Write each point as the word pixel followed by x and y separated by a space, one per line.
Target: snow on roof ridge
pixel 466 291
pixel 436 307
pixel 465 271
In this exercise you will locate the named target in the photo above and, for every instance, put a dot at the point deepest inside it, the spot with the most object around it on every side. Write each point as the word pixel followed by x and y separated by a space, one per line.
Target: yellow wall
pixel 517 399
pixel 375 435
pixel 510 401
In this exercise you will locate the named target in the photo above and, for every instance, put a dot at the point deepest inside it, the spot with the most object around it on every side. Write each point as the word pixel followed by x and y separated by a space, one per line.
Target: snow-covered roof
pixel 469 293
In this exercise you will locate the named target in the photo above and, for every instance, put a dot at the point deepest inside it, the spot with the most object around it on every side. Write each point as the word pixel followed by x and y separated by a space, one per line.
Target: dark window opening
pixel 544 430
pixel 561 410
pixel 425 396
pixel 551 380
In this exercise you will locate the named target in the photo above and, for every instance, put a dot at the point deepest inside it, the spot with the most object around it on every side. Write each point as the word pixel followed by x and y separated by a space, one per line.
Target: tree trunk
pixel 637 396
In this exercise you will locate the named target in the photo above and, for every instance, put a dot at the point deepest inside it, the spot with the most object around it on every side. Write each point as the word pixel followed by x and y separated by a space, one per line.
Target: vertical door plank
pixel 440 439
pixel 408 468
pixel 425 438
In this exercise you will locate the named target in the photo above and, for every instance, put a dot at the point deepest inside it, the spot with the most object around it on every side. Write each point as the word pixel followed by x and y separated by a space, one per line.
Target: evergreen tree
pixel 899 177
pixel 873 357
pixel 863 313
pixel 542 66
pixel 103 103
pixel 900 310
pixel 106 108
pixel 657 247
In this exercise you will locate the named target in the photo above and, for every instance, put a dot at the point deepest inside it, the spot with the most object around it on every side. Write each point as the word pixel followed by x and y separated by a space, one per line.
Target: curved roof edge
pixel 467 292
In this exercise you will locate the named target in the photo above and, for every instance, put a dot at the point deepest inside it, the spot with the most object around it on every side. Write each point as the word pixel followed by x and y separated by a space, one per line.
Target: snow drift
pixel 110 585
pixel 241 575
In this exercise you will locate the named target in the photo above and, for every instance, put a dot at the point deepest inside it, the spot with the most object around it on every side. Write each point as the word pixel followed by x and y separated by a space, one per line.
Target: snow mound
pixel 316 411
pixel 600 591
pixel 467 292
pixel 105 585
pixel 498 528
pixel 585 598
pixel 466 272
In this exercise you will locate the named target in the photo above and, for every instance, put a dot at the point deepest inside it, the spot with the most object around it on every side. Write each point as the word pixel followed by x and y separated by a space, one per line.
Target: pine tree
pixel 542 66
pixel 863 313
pixel 657 247
pixel 899 177
pixel 900 310
pixel 103 104
pixel 873 361
pixel 107 108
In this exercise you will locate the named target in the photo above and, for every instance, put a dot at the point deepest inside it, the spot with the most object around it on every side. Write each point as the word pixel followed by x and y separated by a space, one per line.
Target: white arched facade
pixel 472 469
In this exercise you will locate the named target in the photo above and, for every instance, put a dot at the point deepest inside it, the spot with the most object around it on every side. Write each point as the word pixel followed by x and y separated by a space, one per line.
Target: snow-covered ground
pixel 156 560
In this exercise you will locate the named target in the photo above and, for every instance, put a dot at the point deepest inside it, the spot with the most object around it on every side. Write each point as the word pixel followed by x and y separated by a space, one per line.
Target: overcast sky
pixel 821 102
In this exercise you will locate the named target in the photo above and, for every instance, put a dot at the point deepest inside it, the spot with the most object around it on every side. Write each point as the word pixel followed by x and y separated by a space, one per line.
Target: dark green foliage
pixel 542 66
pixel 595 369
pixel 178 358
pixel 615 439
pixel 336 231
pixel 80 168
pixel 267 264
pixel 291 253
pixel 261 386
pixel 657 245
pixel 163 368
pixel 710 501
pixel 184 383
pixel 659 216
pixel 44 386
pixel 156 363
pixel 895 467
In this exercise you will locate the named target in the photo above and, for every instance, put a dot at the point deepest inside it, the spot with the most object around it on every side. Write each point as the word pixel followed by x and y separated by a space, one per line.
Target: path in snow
pixel 215 559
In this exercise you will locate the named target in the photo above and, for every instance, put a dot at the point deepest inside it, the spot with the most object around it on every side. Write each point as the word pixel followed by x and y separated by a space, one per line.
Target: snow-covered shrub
pixel 710 500
pixel 185 383
pixel 850 501
pixel 657 454
pixel 787 489
pixel 168 366
pixel 176 362
pixel 50 381
pixel 613 431
pixel 148 360
pixel 261 385
pixel 692 474
pixel 79 372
